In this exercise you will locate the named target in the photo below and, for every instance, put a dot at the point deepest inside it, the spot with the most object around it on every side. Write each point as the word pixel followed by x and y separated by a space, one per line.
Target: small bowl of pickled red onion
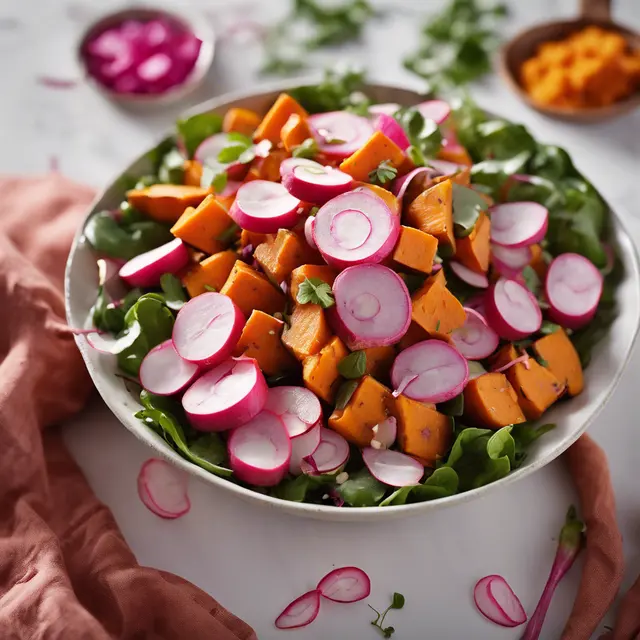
pixel 146 55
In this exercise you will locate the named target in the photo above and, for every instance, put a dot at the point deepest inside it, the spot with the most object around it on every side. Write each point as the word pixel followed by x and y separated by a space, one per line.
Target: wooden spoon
pixel 525 44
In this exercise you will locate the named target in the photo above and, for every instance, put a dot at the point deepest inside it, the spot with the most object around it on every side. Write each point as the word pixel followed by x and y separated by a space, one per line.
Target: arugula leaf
pixel 346 390
pixel 174 294
pixel 383 173
pixel 308 149
pixel 467 205
pixel 196 129
pixel 353 366
pixel 315 291
pixel 361 489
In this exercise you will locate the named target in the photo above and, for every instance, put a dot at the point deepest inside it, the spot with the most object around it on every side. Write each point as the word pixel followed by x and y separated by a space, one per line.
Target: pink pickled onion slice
pixel 301 612
pixel 497 602
pixel 346 584
pixel 163 489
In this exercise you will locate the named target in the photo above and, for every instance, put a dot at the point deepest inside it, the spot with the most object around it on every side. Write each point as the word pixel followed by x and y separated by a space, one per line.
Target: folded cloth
pixel 65 569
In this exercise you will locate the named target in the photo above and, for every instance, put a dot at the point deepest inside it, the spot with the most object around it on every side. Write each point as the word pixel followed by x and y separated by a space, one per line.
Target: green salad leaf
pixel 467 205
pixel 174 294
pixel 424 134
pixel 308 149
pixel 196 129
pixel 353 366
pixel 383 173
pixel 340 89
pixel 361 489
pixel 315 291
pixel 171 170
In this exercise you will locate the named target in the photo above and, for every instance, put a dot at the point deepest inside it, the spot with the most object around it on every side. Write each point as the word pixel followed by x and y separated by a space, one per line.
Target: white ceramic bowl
pixel 572 417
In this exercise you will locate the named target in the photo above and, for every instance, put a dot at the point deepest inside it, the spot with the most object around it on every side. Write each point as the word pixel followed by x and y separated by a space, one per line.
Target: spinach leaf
pixel 443 482
pixel 534 189
pixel 198 128
pixel 174 294
pixel 340 89
pixel 552 163
pixel 494 173
pixel 503 140
pixel 362 489
pixel 297 489
pixel 398 497
pixel 524 435
pixel 467 205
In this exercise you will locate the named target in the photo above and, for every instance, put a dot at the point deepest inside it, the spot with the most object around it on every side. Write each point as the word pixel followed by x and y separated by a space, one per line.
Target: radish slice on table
pixel 400 185
pixel 301 612
pixel 518 224
pixel 315 183
pixel 430 371
pixel 260 450
pixel 227 396
pixel 511 310
pixel 496 601
pixel 302 447
pixel 340 133
pixel 207 329
pixel 264 207
pixel 163 372
pixel 346 584
pixel 297 407
pixel 392 467
pixel 208 151
pixel 384 434
pixel 388 108
pixel 373 307
pixel 331 454
pixel 472 278
pixel 309 223
pixel 145 270
pixel 474 339
pixel 163 489
pixel 573 287
pixel 507 261
pixel 354 228
pixel 391 128
pixel 437 110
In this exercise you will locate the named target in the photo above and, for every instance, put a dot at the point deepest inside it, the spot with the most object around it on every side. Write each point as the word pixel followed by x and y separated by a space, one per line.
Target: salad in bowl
pixel 335 300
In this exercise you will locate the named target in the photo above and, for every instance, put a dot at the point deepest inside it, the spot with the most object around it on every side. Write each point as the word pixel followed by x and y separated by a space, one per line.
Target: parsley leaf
pixel 308 149
pixel 383 173
pixel 315 291
pixel 467 205
pixel 353 366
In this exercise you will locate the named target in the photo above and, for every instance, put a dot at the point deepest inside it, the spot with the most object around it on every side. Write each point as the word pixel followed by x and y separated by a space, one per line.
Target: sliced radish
pixel 401 185
pixel 384 434
pixel 472 278
pixel 511 310
pixel 436 110
pixel 163 372
pixel 430 371
pixel 315 183
pixel 226 397
pixel 208 151
pixel 289 164
pixel 146 269
pixel 340 133
pixel 346 584
pixel 163 489
pixel 260 450
pixel 391 128
pixel 474 339
pixel 388 108
pixel 392 467
pixel 309 223
pixel 497 602
pixel 301 612
pixel 476 302
pixel 355 227
pixel 573 287
pixel 518 224
pixel 373 307
pixel 330 455
pixel 302 447
pixel 297 407
pixel 207 329
pixel 446 168
pixel 264 207
pixel 509 262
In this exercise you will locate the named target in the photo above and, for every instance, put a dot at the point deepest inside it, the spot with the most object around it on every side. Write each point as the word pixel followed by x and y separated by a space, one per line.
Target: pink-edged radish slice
pixel 373 307
pixel 384 434
pixel 511 310
pixel 297 407
pixel 430 371
pixel 476 302
pixel 509 262
pixel 330 455
pixel 400 185
pixel 388 108
pixel 446 168
pixel 474 339
pixel 340 133
pixel 346 584
pixel 355 227
pixel 264 207
pixel 207 329
pixel 392 467
pixel 260 450
pixel 497 602
pixel 573 287
pixel 301 612
pixel 518 224
pixel 391 128
pixel 208 151
pixel 163 489
pixel 163 372
pixel 226 397
pixel 107 344
pixel 309 223
pixel 145 270
pixel 289 164
pixel 436 110
pixel 302 447
pixel 472 278
pixel 316 183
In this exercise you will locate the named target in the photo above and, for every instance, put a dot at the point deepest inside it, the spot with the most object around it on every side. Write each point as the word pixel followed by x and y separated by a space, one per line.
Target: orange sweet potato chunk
pixel 490 402
pixel 561 358
pixel 295 131
pixel 414 335
pixel 320 372
pixel 378 148
pixel 379 361
pixel 415 249
pixel 203 226
pixel 456 153
pixel 192 173
pixel 309 331
pixel 279 255
pixel 423 432
pixel 269 168
pixel 321 271
pixel 252 238
pixel 369 406
pixel 462 176
pixel 432 213
pixel 251 290
pixel 271 125
pixel 244 121
pixel 166 202
pixel 211 272
pixel 261 339
pixel 436 309
pixel 474 251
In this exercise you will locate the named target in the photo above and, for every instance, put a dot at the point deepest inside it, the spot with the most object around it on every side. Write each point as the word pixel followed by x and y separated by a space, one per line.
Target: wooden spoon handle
pixel 596 9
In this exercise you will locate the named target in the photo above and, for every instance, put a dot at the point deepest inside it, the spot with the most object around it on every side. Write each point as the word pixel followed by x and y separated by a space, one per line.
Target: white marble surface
pixel 252 560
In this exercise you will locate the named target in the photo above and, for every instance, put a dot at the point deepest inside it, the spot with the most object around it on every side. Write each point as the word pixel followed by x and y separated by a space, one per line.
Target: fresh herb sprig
pixel 397 602
pixel 315 291
pixel 385 172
